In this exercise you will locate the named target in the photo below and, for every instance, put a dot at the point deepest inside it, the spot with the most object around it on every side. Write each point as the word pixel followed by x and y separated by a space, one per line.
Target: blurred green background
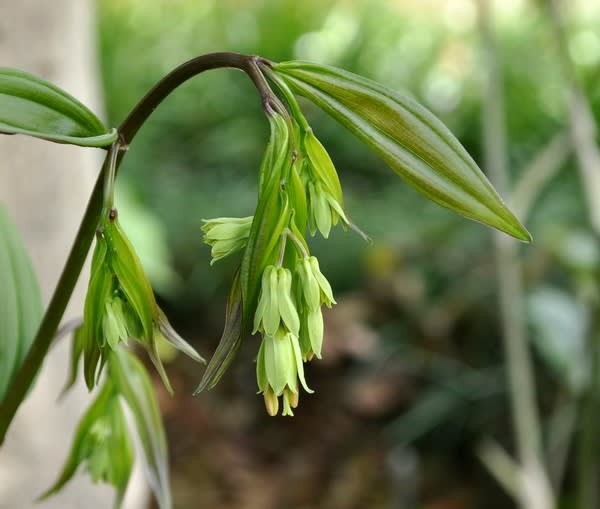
pixel 412 377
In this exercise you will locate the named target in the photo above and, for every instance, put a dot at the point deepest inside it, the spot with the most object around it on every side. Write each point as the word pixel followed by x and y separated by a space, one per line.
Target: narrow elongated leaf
pixel 77 346
pixel 230 339
pixel 32 106
pixel 415 143
pixel 132 381
pixel 132 278
pixel 20 302
pixel 271 216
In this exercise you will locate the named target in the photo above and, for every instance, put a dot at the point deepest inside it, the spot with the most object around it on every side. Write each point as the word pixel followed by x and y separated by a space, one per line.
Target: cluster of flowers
pixel 120 304
pixel 299 190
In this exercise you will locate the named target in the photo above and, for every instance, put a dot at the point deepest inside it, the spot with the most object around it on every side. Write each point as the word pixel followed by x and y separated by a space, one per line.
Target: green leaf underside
pixel 407 137
pixel 20 302
pixel 32 106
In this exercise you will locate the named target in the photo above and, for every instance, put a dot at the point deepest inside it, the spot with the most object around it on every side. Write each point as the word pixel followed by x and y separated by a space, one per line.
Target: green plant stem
pixel 583 129
pixel 127 131
pixel 588 443
pixel 536 494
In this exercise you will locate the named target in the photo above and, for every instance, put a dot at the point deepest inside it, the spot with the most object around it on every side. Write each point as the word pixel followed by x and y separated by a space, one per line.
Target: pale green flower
pixel 226 235
pixel 314 290
pixel 278 369
pixel 324 211
pixel 276 307
pixel 102 445
pixel 325 198
pixel 114 323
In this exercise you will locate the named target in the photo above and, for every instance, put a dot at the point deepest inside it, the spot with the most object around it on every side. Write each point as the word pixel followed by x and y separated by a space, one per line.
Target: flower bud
pixel 314 321
pixel 319 213
pixel 114 323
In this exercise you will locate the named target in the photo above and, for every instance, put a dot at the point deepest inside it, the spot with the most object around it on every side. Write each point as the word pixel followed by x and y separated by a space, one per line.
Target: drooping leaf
pixel 99 287
pixel 408 137
pixel 33 106
pixel 134 385
pixel 20 302
pixel 230 339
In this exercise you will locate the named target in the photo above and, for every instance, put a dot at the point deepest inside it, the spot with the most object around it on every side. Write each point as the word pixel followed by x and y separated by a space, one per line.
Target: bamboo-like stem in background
pixel 534 488
pixel 583 129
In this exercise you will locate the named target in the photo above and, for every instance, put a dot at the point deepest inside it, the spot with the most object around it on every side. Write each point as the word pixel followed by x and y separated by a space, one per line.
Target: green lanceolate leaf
pixel 230 339
pixel 77 347
pixel 32 106
pixel 132 278
pixel 20 302
pixel 415 143
pixel 132 382
pixel 270 218
pixel 99 289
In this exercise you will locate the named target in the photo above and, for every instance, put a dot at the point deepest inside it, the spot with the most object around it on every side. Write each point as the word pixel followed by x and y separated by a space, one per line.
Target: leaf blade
pixel 409 138
pixel 133 382
pixel 32 106
pixel 20 302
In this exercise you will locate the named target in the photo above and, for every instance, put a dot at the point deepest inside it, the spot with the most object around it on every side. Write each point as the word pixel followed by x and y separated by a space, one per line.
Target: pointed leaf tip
pixel 408 137
pixel 35 107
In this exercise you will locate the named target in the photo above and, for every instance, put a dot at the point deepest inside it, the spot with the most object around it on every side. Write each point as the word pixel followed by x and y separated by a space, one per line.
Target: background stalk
pixel 534 490
pixel 583 129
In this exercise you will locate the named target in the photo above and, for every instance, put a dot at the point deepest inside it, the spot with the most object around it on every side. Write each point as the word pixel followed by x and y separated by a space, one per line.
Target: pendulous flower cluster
pixel 282 287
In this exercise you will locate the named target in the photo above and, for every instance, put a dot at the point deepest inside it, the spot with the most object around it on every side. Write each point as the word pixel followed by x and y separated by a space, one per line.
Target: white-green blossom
pixel 278 369
pixel 276 307
pixel 313 290
pixel 114 323
pixel 226 235
pixel 325 198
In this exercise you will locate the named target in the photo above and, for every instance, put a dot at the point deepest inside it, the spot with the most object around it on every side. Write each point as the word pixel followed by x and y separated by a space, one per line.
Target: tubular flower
pixel 326 201
pixel 278 369
pixel 275 307
pixel 314 290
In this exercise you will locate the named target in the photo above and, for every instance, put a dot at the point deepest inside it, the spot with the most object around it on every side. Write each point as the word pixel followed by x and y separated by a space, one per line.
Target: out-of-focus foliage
pixel 414 348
